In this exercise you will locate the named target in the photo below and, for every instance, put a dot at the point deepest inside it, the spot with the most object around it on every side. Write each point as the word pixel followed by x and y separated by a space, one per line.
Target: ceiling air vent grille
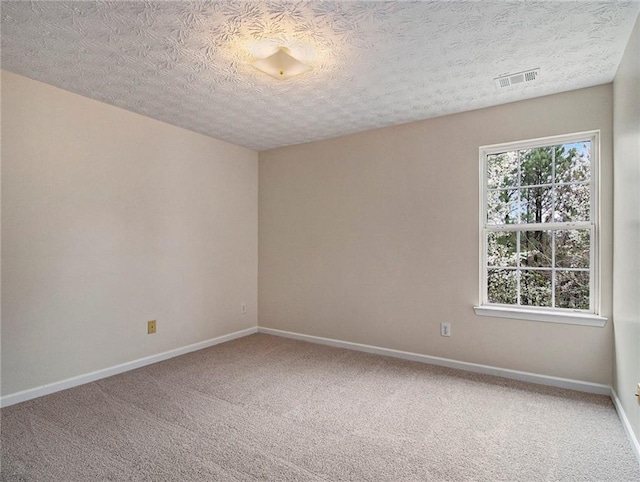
pixel 518 78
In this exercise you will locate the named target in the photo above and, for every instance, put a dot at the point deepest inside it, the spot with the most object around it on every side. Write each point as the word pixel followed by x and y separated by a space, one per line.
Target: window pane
pixel 502 207
pixel 502 170
pixel 535 288
pixel 573 248
pixel 539 233
pixel 572 289
pixel 502 286
pixel 536 205
pixel 536 166
pixel 573 162
pixel 501 249
pixel 573 203
pixel 535 248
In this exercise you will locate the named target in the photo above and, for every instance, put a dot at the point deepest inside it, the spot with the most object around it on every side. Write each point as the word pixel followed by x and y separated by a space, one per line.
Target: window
pixel 539 231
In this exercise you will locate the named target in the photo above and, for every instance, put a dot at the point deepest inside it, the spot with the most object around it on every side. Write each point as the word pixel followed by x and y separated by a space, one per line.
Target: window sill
pixel 571 318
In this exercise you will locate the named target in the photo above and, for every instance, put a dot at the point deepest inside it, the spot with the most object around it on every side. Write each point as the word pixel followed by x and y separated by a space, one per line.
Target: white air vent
pixel 518 78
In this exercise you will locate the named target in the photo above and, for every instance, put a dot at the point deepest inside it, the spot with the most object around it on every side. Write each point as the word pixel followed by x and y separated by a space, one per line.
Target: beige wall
pixel 110 219
pixel 626 268
pixel 373 238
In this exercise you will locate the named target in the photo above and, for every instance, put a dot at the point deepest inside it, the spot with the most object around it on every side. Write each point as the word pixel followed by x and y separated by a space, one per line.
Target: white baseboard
pixel 578 385
pixel 635 444
pixel 42 390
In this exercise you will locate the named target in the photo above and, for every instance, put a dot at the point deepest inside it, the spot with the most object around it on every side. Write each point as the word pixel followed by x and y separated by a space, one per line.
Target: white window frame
pixel 589 317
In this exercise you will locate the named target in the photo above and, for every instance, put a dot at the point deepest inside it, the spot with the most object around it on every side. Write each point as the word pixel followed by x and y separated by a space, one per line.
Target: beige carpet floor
pixel 269 408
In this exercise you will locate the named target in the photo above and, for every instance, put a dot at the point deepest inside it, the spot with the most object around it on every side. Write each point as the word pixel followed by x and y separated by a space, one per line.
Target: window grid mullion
pixel 518 185
pixel 592 260
pixel 547 184
pixel 518 270
pixel 553 268
pixel 540 268
pixel 519 191
pixel 539 226
pixel 553 232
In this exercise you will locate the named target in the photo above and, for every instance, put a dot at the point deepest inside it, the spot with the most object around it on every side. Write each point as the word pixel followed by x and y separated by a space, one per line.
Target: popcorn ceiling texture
pixel 375 64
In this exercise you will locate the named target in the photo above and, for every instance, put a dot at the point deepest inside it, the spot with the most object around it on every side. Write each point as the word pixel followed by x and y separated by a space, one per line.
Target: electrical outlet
pixel 243 308
pixel 151 327
pixel 445 329
pixel 638 393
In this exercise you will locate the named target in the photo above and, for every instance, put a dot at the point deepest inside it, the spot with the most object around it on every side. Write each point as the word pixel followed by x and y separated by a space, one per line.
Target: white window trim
pixel 538 314
pixel 589 317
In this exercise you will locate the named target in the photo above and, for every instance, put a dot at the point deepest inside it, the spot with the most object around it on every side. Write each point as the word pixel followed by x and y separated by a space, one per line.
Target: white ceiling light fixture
pixel 281 65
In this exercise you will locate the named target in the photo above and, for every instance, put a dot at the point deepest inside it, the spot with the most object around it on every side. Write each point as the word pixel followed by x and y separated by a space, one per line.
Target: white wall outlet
pixel 243 308
pixel 445 329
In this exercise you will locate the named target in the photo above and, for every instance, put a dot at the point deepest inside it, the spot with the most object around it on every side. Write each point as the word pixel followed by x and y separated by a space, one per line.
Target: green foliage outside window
pixel 530 264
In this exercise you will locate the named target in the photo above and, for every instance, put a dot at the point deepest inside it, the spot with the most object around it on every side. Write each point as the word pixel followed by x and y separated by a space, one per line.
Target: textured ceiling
pixel 374 64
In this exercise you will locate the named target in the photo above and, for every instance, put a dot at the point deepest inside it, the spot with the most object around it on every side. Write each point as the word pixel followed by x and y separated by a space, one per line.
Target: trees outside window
pixel 538 223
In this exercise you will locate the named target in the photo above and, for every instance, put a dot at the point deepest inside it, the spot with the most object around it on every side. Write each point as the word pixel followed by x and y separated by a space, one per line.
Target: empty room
pixel 320 240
